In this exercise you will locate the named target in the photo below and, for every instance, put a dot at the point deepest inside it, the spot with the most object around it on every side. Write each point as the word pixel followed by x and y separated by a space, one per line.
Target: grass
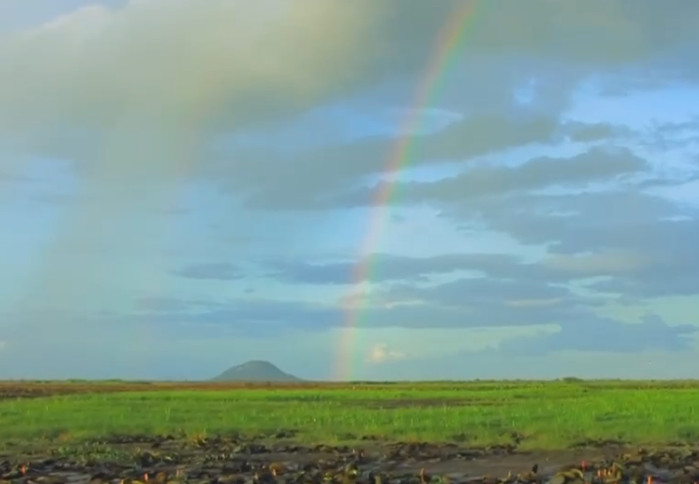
pixel 546 415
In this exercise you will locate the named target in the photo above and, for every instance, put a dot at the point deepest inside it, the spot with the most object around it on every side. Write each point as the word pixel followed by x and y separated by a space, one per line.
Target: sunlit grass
pixel 547 415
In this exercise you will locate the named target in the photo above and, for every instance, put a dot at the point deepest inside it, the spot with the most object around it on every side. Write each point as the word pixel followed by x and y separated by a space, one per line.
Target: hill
pixel 256 370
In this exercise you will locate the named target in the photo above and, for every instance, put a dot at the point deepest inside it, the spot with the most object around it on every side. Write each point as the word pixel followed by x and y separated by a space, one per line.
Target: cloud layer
pixel 213 175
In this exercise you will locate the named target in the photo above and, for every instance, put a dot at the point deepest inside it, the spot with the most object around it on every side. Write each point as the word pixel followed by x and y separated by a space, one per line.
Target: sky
pixel 350 190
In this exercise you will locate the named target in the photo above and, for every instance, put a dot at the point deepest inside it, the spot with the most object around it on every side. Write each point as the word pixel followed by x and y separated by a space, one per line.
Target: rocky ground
pixel 237 460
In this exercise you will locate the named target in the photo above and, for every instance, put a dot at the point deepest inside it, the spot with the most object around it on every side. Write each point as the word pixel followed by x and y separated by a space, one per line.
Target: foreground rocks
pixel 234 460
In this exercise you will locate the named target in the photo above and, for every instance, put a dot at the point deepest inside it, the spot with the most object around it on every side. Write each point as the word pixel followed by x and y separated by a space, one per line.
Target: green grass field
pixel 546 414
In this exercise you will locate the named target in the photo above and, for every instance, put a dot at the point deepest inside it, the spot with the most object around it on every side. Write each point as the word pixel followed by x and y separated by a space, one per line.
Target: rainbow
pixel 448 46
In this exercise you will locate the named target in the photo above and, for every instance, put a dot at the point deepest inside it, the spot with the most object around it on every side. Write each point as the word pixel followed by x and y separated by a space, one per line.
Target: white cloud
pixel 381 353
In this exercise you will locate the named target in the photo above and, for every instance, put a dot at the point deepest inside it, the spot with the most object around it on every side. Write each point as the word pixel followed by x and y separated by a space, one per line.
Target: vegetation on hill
pixel 255 370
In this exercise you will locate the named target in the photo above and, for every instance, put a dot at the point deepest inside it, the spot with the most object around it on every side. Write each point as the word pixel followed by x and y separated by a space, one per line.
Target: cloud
pixel 572 222
pixel 251 316
pixel 596 264
pixel 529 317
pixel 221 271
pixel 650 239
pixel 464 293
pixel 218 74
pixel 507 290
pixel 268 183
pixel 336 175
pixel 385 267
pixel 604 334
pixel 554 268
pixel 480 181
pixel 215 68
pixel 584 132
pixel 171 96
pixel 381 353
pixel 218 100
pixel 464 303
pixel 494 364
pixel 155 304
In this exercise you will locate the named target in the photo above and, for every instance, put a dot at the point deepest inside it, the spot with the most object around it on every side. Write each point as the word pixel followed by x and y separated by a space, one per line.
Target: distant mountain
pixel 256 371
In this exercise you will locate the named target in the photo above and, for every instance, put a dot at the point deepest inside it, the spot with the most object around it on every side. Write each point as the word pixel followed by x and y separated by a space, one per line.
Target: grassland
pixel 533 415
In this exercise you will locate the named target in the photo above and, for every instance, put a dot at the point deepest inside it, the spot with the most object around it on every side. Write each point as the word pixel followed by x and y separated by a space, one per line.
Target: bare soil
pixel 242 460
pixel 232 459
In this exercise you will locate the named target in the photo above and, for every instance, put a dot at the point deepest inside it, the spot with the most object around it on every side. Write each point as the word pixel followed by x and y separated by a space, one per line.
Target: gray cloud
pixel 330 174
pixel 101 351
pixel 554 268
pixel 465 292
pixel 584 132
pixel 217 77
pixel 668 136
pixel 480 302
pixel 604 334
pixel 218 86
pixel 571 222
pixel 650 240
pixel 511 364
pixel 598 164
pixel 311 180
pixel 386 267
pixel 251 317
pixel 492 303
pixel 222 271
pixel 466 303
pixel 136 113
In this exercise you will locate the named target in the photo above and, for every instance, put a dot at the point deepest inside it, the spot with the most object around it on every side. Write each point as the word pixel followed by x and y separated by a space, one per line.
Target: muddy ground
pixel 276 459
pixel 231 459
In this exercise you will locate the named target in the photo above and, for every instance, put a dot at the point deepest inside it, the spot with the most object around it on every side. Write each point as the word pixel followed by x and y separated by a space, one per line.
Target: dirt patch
pixel 232 459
